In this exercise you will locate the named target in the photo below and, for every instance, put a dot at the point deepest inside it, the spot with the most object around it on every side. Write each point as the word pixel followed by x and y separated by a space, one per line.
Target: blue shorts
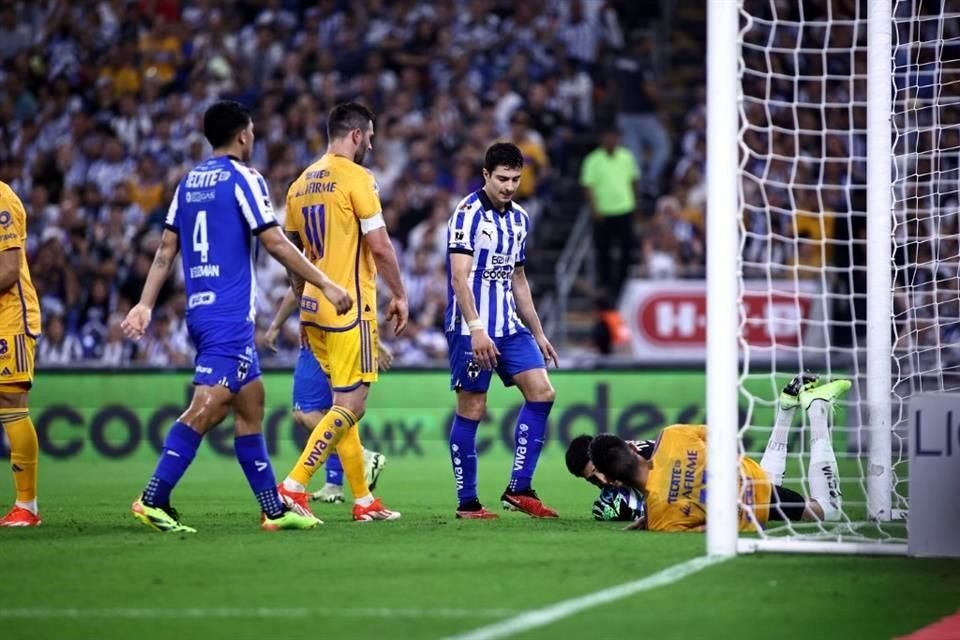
pixel 518 353
pixel 232 372
pixel 311 386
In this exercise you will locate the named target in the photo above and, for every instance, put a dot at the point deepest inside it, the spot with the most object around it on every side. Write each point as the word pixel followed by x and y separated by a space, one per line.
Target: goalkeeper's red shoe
pixel 475 511
pixel 20 517
pixel 528 503
pixel 296 501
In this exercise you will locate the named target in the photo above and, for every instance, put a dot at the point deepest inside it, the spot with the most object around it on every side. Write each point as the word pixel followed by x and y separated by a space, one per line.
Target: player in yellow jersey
pixel 19 328
pixel 334 214
pixel 674 479
pixel 312 397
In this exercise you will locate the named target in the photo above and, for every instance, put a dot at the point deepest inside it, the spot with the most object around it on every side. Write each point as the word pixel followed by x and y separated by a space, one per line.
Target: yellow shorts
pixel 349 358
pixel 16 359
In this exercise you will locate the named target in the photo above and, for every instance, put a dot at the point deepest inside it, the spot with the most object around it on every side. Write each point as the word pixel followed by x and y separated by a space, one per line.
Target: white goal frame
pixel 724 209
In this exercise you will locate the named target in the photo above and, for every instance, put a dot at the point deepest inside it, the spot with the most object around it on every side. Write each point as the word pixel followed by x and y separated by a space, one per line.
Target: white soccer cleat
pixel 330 494
pixel 373 464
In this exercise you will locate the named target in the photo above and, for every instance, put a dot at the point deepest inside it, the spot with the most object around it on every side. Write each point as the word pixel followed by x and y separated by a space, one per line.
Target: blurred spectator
pixel 424 340
pixel 536 164
pixel 609 177
pixel 56 346
pixel 575 93
pixel 116 351
pixel 672 246
pixel 163 347
pixel 161 51
pixel 102 101
pixel 14 35
pixel 431 234
pixel 637 118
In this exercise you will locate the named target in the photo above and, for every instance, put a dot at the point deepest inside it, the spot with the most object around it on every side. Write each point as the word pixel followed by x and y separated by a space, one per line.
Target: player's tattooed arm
pixel 164 261
pixel 296 282
pixel 138 318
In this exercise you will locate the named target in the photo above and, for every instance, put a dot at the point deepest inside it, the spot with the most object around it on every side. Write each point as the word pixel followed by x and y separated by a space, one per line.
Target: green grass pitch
pixel 91 571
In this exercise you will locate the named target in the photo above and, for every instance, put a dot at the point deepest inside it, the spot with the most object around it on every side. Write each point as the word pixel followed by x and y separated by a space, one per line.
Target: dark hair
pixel 578 454
pixel 223 120
pixel 345 117
pixel 613 458
pixel 610 129
pixel 503 154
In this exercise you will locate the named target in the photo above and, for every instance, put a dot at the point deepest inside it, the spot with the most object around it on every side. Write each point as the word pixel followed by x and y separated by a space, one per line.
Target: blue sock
pixel 179 450
pixel 334 470
pixel 252 455
pixel 463 452
pixel 528 440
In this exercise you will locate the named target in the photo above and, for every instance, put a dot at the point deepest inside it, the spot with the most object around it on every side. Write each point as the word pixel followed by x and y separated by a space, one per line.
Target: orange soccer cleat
pixel 296 501
pixel 528 503
pixel 20 517
pixel 475 511
pixel 373 511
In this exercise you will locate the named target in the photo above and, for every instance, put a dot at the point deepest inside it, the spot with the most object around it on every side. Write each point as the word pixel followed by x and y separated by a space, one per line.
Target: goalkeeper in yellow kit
pixel 674 479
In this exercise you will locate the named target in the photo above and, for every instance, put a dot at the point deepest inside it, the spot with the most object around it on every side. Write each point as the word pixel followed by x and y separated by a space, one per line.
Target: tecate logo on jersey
pixel 201 299
pixel 206 179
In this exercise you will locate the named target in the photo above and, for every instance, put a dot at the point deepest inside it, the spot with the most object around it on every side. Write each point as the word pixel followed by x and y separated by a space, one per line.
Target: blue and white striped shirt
pixel 498 243
pixel 217 209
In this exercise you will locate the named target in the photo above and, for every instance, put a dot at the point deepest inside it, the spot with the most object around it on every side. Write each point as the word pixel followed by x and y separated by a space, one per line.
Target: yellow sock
pixel 322 442
pixel 24 452
pixel 351 457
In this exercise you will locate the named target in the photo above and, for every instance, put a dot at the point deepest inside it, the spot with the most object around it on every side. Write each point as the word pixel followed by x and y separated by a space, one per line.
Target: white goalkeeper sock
pixel 774 460
pixel 824 477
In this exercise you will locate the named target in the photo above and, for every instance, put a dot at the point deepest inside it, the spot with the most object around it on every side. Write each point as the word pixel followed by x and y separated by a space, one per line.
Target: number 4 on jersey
pixel 200 244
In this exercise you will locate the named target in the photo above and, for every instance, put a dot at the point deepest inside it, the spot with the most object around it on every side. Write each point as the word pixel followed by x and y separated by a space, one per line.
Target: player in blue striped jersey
pixel 492 325
pixel 220 210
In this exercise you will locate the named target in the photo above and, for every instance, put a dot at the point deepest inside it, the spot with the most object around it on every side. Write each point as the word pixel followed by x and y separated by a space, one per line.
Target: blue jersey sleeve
pixel 253 197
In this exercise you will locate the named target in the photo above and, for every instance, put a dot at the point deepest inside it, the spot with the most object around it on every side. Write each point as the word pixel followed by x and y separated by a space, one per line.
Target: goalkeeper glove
pixel 620 505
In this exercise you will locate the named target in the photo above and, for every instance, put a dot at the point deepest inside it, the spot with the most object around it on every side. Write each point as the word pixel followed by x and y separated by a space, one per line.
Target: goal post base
pixel 832 547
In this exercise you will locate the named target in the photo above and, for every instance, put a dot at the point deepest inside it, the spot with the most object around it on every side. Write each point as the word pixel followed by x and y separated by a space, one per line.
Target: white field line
pixel 546 615
pixel 251 612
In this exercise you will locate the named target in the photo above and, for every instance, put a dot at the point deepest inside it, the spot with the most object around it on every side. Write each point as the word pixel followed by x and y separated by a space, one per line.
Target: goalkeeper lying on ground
pixel 614 503
pixel 673 479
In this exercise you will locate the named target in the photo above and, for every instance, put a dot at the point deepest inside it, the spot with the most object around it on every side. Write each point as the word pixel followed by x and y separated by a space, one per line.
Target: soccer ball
pixel 619 504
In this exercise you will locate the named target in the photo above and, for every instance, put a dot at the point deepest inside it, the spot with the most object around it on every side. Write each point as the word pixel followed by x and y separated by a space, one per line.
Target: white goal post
pixel 829 169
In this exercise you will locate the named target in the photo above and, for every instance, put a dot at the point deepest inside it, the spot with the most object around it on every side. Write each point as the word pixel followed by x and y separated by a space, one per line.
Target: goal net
pixel 819 230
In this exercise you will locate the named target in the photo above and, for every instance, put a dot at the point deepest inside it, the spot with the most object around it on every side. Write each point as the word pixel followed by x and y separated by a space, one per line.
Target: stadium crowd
pixel 804 170
pixel 101 100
